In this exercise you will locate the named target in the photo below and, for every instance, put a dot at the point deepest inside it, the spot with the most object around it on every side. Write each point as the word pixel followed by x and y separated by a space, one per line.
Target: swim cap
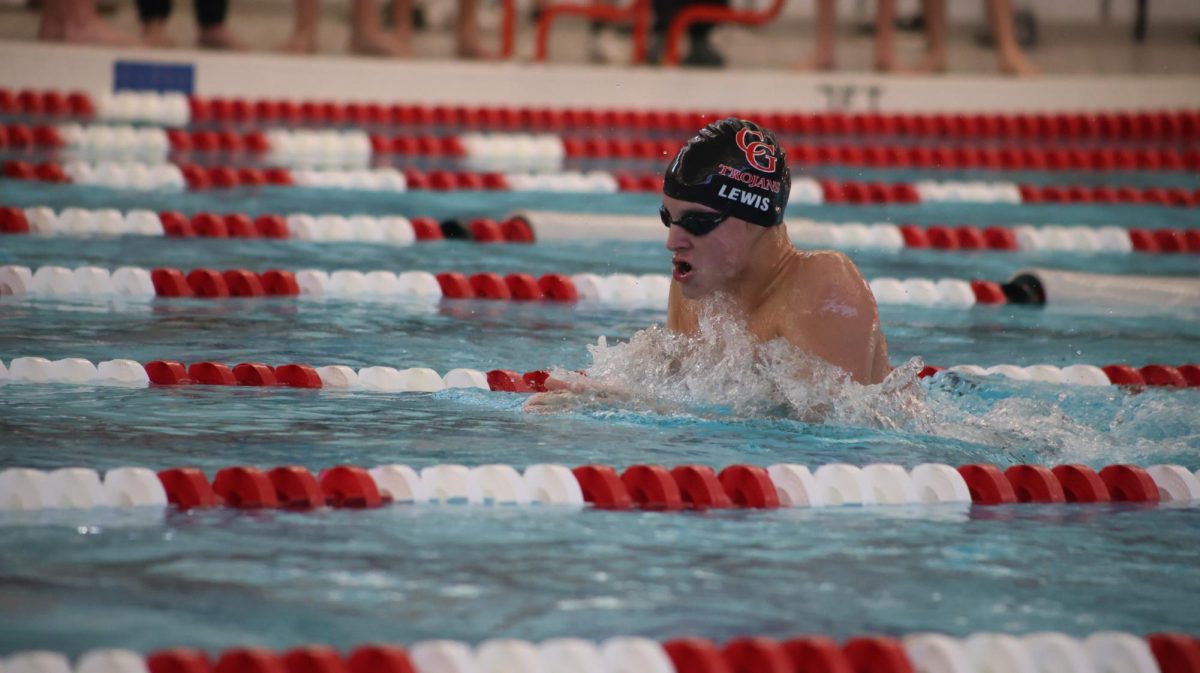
pixel 734 167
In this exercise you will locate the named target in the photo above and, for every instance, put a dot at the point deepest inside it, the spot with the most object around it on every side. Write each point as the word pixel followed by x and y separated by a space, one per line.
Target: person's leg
pixel 885 35
pixel 1011 60
pixel 304 34
pixel 662 11
pixel 469 44
pixel 210 20
pixel 402 23
pixel 366 31
pixel 153 15
pixel 77 21
pixel 934 60
pixel 822 57
pixel 702 53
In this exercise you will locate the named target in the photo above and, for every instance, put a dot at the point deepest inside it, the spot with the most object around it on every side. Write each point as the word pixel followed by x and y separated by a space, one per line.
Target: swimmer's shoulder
pixel 829 274
pixel 821 267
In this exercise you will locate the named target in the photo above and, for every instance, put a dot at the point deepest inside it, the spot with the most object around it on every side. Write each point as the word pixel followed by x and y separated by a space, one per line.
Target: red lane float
pixel 1034 483
pixel 313 659
pixel 171 373
pixel 877 654
pixel 602 487
pixel 1080 483
pixel 244 488
pixel 757 655
pixel 178 660
pixel 188 488
pixel 987 484
pixel 1008 158
pixel 1063 483
pixel 696 655
pixel 749 486
pixel 699 487
pixel 652 487
pixel 296 487
pixel 379 659
pixel 817 654
pixel 1175 652
pixel 350 486
pixel 249 660
pixel 1129 483
pixel 287 487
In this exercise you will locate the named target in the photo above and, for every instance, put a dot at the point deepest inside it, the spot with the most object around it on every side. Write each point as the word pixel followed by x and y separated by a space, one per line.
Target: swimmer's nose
pixel 678 239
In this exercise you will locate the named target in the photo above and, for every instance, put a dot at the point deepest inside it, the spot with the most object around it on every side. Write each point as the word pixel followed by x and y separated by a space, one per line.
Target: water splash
pixel 724 372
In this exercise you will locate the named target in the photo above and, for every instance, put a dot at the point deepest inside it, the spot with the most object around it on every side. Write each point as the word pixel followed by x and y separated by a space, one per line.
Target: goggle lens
pixel 693 222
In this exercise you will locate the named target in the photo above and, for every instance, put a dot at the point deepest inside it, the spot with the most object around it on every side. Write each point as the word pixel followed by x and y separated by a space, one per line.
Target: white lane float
pixel 443 656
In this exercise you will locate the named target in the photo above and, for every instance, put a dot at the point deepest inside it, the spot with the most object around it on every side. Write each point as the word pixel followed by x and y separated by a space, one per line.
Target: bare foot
pixel 154 34
pixel 1016 64
pixel 219 37
pixel 377 43
pixel 930 64
pixel 88 31
pixel 471 50
pixel 887 64
pixel 300 43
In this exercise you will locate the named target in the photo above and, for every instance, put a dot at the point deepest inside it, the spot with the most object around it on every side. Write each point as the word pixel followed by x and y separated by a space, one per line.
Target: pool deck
pixel 258 75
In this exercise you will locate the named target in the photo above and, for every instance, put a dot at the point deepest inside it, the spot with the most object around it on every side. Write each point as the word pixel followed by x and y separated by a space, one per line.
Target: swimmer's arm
pixel 841 324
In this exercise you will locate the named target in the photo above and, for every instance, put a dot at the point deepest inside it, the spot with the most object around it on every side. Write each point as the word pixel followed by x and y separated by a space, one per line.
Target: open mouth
pixel 682 270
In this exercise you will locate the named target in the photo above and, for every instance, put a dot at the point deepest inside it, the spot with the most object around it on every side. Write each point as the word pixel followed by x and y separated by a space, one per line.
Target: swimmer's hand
pixel 547 403
pixel 584 394
pixel 565 395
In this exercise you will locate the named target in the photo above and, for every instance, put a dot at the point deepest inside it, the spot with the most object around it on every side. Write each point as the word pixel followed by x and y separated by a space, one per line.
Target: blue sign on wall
pixel 150 76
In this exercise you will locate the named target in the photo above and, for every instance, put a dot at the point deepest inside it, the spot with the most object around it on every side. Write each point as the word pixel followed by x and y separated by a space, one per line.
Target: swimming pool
pixel 76 580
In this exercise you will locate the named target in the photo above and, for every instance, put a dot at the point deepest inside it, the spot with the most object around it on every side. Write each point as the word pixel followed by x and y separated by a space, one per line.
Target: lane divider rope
pixel 620 289
pixel 644 487
pixel 175 109
pixel 1030 286
pixel 125 372
pixel 549 152
pixel 165 176
pixel 531 226
pixel 388 229
pixel 1111 651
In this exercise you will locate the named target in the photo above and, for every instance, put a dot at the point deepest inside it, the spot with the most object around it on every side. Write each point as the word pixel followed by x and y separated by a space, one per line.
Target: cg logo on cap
pixel 752 143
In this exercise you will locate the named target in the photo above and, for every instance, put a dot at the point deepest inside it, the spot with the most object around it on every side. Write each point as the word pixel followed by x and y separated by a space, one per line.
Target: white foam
pixel 724 370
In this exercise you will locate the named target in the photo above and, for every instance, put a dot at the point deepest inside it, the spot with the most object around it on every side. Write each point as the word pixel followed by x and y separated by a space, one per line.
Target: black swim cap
pixel 734 167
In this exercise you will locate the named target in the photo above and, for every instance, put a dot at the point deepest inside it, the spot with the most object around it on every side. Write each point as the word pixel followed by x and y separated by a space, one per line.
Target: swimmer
pixel 723 200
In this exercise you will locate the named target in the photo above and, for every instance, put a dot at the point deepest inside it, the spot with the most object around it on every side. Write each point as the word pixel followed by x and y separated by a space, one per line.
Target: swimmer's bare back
pixel 820 303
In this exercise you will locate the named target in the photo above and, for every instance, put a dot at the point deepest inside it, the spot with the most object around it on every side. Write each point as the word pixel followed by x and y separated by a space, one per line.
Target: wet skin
pixel 816 300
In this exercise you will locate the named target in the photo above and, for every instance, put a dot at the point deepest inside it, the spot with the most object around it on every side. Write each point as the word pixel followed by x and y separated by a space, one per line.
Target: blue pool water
pixel 70 581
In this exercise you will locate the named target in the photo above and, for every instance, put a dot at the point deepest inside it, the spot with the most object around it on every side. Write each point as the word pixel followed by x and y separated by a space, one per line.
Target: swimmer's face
pixel 714 261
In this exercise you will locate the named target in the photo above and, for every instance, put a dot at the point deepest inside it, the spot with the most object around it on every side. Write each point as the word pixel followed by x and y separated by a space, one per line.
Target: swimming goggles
pixel 694 222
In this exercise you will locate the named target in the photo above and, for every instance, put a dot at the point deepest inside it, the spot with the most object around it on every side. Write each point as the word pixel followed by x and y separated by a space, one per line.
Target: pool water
pixel 70 581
